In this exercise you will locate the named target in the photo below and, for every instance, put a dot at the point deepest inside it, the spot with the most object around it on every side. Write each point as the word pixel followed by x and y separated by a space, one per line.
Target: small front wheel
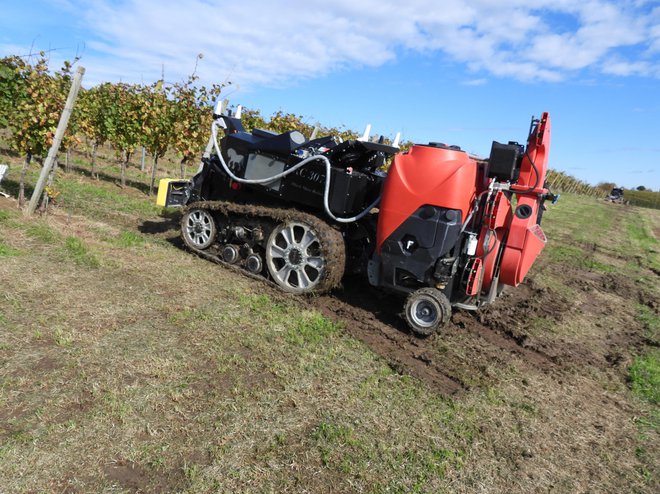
pixel 427 310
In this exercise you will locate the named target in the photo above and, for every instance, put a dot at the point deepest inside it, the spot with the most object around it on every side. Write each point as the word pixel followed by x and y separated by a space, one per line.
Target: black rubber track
pixel 331 239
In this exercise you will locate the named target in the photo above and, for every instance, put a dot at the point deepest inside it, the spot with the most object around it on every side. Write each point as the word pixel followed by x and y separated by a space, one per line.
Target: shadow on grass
pixel 165 227
pixel 10 152
pixel 10 187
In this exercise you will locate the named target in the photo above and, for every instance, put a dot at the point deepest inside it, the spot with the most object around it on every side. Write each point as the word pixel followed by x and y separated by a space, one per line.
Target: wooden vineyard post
pixel 142 160
pixel 57 140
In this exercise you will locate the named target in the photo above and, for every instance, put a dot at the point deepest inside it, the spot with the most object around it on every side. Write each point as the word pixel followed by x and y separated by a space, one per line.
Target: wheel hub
pixel 198 229
pixel 295 257
pixel 425 313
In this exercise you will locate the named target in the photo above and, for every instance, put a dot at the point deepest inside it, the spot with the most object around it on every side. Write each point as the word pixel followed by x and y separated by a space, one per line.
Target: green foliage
pixel 158 118
pixel 125 116
pixel 562 182
pixel 192 116
pixel 643 198
pixel 645 376
pixel 38 99
pixel 12 87
pixel 162 117
pixel 92 112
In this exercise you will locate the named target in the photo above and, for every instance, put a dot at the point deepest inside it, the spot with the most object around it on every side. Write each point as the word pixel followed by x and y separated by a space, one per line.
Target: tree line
pixel 159 117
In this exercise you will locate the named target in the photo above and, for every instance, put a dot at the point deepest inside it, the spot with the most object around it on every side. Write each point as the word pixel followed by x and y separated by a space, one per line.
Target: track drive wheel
pixel 305 258
pixel 427 310
pixel 198 229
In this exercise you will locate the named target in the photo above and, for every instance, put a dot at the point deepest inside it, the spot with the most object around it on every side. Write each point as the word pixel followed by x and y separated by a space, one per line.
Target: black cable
pixel 536 171
pixel 492 247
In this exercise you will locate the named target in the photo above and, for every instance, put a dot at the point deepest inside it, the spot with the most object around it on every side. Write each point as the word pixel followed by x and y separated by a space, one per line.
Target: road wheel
pixel 300 259
pixel 198 229
pixel 427 310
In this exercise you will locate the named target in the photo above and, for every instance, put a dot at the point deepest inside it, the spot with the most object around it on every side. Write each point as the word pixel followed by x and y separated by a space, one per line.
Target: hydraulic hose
pixel 326 192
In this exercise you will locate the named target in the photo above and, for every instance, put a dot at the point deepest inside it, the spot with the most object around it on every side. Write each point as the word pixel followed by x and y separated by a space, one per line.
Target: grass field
pixel 129 365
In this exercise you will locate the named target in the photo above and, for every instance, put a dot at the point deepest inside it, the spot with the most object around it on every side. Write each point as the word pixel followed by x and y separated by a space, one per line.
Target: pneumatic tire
pixel 426 311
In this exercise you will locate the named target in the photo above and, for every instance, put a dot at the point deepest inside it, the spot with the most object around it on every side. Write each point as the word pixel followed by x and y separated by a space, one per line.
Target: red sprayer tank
pixel 426 175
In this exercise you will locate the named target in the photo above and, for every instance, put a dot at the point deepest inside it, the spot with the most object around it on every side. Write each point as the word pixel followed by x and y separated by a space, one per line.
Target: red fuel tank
pixel 426 175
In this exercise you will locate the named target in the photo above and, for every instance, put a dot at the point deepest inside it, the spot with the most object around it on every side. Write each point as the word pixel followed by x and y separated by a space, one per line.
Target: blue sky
pixel 464 72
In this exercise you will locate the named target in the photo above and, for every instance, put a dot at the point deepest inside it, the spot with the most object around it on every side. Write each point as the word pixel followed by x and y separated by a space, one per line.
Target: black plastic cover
pixel 410 254
pixel 504 162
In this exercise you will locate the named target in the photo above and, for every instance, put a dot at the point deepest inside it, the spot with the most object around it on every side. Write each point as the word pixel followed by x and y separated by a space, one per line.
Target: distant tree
pixel 124 121
pixel 641 188
pixel 606 187
pixel 157 124
pixel 92 114
pixel 38 102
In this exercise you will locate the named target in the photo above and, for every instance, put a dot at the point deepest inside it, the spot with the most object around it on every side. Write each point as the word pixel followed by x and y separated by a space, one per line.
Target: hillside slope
pixel 128 364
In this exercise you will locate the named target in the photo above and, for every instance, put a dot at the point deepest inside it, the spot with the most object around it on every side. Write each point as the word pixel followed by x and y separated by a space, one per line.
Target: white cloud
pixel 475 82
pixel 275 42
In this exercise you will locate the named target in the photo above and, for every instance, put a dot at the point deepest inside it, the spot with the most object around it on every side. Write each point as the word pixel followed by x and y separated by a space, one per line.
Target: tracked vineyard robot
pixel 441 228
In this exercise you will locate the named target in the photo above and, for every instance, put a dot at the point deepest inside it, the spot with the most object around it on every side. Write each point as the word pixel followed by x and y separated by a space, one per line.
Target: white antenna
pixel 396 140
pixel 314 132
pixel 239 110
pixel 365 136
pixel 220 107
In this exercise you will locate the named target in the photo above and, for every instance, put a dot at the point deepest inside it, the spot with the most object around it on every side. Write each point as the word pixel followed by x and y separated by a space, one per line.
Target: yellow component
pixel 163 188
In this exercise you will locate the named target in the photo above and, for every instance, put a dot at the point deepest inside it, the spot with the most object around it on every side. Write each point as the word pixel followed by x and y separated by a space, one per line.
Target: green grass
pixel 130 239
pixel 651 321
pixel 76 250
pixel 5 216
pixel 103 200
pixel 639 233
pixel 645 376
pixel 193 379
pixel 7 251
pixel 312 329
pixel 42 232
pixel 577 257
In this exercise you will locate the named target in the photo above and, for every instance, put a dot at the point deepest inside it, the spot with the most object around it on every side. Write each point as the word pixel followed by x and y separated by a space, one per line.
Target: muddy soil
pixel 464 354
pixel 502 334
